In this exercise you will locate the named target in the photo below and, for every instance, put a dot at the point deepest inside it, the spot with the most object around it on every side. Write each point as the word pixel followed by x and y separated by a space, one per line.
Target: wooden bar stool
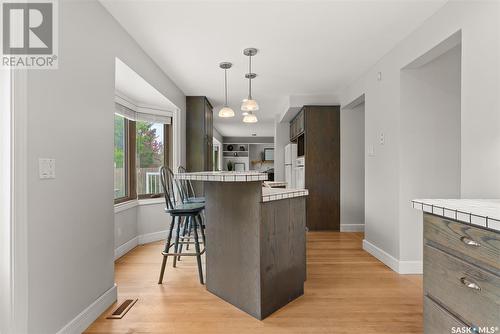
pixel 190 213
pixel 188 195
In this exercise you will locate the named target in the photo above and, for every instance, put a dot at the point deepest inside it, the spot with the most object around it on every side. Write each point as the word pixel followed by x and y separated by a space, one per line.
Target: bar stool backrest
pixel 186 187
pixel 167 183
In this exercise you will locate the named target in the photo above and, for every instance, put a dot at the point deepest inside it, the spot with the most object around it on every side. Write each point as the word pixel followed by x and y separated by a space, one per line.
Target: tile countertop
pixel 223 176
pixel 275 194
pixel 478 212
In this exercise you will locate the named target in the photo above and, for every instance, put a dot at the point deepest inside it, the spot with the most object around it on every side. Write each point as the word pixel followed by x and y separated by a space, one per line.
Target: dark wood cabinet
pixel 316 130
pixel 297 126
pixel 199 136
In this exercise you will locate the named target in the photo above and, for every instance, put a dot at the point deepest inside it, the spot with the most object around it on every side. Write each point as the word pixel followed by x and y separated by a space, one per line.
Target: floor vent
pixel 122 309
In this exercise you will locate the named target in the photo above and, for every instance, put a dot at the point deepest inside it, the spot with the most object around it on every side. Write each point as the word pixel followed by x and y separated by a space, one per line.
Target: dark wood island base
pixel 256 245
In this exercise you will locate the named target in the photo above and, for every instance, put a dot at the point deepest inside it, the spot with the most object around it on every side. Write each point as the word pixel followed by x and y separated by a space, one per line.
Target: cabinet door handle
pixel 470 284
pixel 470 242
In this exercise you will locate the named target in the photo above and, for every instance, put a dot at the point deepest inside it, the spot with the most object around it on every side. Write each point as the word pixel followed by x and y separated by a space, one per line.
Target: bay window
pixel 142 145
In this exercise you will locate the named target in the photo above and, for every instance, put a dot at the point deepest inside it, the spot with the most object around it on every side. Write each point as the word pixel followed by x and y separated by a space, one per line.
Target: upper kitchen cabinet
pixel 297 125
pixel 316 131
pixel 199 136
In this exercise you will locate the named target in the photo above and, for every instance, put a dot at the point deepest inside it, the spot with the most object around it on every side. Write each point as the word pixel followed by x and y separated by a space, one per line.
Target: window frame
pixel 130 180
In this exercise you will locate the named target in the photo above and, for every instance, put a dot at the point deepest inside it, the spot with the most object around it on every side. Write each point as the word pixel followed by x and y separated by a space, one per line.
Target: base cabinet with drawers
pixel 461 277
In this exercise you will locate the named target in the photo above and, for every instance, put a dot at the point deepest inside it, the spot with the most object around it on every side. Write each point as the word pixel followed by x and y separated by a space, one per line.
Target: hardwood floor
pixel 347 291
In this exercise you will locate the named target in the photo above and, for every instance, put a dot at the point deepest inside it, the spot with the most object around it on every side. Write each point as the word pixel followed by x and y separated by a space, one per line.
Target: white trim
pixel 151 237
pixel 126 205
pixel 141 202
pixel 352 227
pixel 143 108
pixel 5 201
pixel 19 196
pixel 139 240
pixel 126 247
pixel 401 267
pixel 91 313
pixel 411 267
pixel 380 254
pixel 152 201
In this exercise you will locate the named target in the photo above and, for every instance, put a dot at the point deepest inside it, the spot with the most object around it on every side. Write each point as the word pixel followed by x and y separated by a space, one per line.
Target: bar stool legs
pixel 197 247
pixel 191 222
pixel 167 247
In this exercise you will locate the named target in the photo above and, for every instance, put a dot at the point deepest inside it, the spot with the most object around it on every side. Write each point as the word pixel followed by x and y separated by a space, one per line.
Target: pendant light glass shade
pixel 249 105
pixel 250 118
pixel 226 112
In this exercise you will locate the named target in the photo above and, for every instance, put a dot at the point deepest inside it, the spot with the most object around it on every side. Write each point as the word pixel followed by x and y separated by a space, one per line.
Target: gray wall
pixel 255 153
pixel 352 168
pixel 70 118
pixel 281 139
pixel 218 135
pixel 430 147
pixel 480 119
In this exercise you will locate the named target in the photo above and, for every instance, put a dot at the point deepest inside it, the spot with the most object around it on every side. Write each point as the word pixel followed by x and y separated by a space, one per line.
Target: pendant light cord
pixel 225 85
pixel 250 78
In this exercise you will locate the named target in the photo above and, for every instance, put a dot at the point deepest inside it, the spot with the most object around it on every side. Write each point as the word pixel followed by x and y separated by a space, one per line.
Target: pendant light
pixel 226 111
pixel 249 105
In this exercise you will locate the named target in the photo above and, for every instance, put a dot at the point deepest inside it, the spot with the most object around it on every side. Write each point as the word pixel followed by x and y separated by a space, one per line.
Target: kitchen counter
pixel 268 194
pixel 274 194
pixel 477 212
pixel 255 240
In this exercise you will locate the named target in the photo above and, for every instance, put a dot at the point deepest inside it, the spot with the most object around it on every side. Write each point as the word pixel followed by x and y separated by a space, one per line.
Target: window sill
pixel 126 205
pixel 133 203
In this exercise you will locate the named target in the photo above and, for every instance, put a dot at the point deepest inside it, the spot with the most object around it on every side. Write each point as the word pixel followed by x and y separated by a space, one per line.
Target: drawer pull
pixel 470 242
pixel 470 284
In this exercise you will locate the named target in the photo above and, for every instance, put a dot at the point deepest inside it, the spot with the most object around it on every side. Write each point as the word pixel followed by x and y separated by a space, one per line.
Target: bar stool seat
pixel 186 208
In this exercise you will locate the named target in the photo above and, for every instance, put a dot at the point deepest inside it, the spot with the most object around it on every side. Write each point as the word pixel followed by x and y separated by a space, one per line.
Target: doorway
pixel 430 148
pixel 352 167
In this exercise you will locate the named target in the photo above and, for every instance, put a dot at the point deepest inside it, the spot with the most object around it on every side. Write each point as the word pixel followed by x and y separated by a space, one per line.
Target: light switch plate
pixel 371 151
pixel 47 168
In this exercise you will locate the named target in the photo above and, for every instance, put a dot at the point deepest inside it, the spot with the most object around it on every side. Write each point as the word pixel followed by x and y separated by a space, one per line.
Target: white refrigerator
pixel 290 164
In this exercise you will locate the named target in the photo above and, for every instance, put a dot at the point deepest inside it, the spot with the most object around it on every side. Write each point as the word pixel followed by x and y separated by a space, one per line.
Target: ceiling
pixel 138 91
pixel 305 47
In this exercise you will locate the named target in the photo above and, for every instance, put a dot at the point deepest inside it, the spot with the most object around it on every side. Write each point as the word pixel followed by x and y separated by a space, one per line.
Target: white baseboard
pixel 139 240
pixel 126 247
pixel 411 267
pixel 151 237
pixel 352 227
pixel 401 267
pixel 91 313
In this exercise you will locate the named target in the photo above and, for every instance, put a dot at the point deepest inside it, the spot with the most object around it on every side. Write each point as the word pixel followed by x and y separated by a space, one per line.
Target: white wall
pixel 70 118
pixel 5 202
pixel 352 168
pixel 430 142
pixel 281 139
pixel 480 119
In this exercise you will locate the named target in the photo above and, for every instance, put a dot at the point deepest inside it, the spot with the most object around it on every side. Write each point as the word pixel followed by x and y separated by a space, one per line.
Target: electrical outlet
pixel 382 138
pixel 47 168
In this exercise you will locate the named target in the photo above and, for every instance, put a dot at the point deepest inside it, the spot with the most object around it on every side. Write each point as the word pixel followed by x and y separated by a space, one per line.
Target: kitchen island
pixel 461 265
pixel 256 243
